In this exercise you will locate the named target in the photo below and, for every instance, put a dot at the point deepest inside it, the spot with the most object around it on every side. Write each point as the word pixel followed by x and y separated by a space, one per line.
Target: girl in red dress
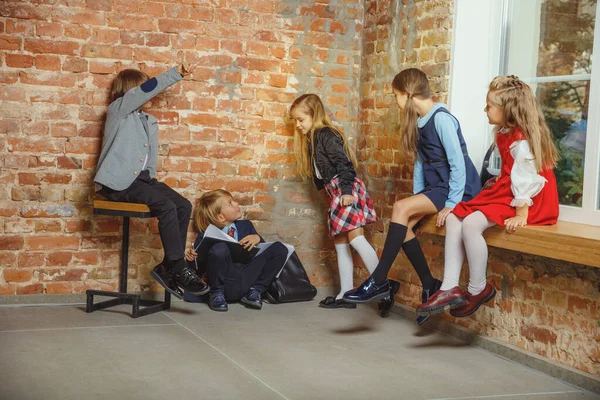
pixel 524 193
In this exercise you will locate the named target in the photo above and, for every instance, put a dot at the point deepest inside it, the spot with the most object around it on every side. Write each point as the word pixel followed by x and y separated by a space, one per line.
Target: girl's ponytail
pixel 414 83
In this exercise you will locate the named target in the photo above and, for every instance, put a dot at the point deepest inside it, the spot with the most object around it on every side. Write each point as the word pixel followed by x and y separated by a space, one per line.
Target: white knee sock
pixel 345 267
pixel 366 252
pixel 454 254
pixel 476 249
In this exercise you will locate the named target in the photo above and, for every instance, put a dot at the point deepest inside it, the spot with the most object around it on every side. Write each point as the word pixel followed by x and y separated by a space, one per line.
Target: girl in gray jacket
pixel 127 168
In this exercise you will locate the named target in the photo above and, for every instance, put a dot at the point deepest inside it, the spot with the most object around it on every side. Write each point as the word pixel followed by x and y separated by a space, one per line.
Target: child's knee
pixel 218 250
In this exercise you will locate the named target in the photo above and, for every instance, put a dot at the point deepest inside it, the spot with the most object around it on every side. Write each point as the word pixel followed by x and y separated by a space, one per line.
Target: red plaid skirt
pixel 360 213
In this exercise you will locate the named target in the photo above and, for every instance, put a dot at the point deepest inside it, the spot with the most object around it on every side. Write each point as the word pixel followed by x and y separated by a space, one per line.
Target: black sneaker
pixel 252 299
pixel 166 280
pixel 186 278
pixel 217 302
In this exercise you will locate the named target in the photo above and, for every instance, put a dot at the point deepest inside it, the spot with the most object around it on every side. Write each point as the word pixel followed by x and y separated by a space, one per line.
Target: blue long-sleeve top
pixel 446 127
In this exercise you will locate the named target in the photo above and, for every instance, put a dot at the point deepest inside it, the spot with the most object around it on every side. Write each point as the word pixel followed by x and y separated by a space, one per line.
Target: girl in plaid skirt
pixel 444 175
pixel 322 152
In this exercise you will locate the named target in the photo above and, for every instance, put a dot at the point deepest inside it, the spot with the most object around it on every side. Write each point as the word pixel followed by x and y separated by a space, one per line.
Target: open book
pixel 239 254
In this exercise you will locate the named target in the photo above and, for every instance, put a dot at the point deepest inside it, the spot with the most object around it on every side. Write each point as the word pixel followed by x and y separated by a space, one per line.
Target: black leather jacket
pixel 331 159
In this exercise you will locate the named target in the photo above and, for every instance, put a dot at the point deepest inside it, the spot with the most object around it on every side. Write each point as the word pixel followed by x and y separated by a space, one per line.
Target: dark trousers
pixel 236 279
pixel 172 210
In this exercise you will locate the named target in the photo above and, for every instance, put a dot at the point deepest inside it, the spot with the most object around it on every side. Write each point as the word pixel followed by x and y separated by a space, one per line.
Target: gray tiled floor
pixel 292 351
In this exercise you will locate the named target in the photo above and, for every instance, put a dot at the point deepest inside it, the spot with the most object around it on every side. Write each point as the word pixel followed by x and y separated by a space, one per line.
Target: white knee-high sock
pixel 345 268
pixel 366 252
pixel 476 249
pixel 454 253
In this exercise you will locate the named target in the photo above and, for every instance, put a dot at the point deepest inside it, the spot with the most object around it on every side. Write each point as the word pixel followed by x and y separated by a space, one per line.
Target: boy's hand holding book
pixel 250 241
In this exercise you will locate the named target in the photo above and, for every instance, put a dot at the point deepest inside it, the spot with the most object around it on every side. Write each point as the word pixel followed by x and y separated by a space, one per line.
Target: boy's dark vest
pixel 436 169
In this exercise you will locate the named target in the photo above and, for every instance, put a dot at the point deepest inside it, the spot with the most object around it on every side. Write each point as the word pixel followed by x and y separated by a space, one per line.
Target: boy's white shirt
pixel 214 232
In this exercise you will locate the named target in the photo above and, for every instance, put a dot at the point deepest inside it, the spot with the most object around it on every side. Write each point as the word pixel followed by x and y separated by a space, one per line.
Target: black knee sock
pixel 393 243
pixel 415 255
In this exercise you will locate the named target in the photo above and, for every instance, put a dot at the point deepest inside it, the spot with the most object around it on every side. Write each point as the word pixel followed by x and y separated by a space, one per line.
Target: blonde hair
pixel 312 105
pixel 208 208
pixel 126 80
pixel 414 83
pixel 521 109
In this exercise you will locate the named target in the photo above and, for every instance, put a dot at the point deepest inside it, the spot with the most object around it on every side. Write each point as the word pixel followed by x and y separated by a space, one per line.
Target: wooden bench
pixel 567 241
pixel 125 210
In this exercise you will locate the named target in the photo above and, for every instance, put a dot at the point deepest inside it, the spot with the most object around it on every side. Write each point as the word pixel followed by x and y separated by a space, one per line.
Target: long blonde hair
pixel 414 83
pixel 521 109
pixel 312 105
pixel 208 207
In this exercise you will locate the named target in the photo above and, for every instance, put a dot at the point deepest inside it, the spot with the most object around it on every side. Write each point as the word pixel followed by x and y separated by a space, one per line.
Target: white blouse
pixel 525 181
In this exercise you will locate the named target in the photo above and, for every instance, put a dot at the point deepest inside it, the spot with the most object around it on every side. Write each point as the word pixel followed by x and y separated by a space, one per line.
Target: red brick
pixel 8 42
pixel 101 67
pixel 43 46
pixel 278 80
pixel 257 64
pixel 25 193
pixel 161 56
pixel 100 5
pixel 11 242
pixel 12 93
pixel 17 275
pixel 176 26
pixel 24 11
pixel 204 119
pixel 52 242
pixel 76 31
pixel 132 37
pixel 538 334
pixel 59 288
pixel 36 288
pixel 8 259
pixel 158 39
pixel 230 152
pixel 63 129
pixel 77 226
pixel 106 51
pixel 19 61
pixel 106 35
pixel 53 29
pixel 50 63
pixel 31 260
pixel 8 77
pixel 48 226
pixel 61 258
pixel 19 26
pixel 202 14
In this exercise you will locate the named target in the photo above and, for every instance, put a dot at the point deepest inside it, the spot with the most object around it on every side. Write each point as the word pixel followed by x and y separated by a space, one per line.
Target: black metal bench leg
pixel 122 297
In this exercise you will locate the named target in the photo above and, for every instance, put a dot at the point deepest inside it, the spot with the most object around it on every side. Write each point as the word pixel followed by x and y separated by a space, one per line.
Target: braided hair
pixel 521 109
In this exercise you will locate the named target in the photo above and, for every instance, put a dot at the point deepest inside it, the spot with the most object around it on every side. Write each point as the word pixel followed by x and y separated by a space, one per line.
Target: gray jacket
pixel 127 147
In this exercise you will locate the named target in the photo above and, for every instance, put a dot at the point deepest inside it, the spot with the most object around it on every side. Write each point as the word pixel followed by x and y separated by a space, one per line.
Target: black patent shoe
pixel 186 278
pixel 252 299
pixel 385 306
pixel 425 295
pixel 368 291
pixel 166 280
pixel 217 302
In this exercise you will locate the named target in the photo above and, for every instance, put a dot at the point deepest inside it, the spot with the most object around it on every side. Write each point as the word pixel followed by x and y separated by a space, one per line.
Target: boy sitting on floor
pixel 228 280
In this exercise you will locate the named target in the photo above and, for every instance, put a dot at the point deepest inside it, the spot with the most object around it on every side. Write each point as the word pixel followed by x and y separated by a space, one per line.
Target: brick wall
pixel 223 128
pixel 543 306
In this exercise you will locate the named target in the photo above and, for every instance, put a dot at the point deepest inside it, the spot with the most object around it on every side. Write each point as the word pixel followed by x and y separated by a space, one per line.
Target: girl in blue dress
pixel 444 175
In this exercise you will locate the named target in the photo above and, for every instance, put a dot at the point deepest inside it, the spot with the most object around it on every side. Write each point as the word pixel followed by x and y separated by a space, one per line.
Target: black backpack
pixel 291 285
pixel 485 174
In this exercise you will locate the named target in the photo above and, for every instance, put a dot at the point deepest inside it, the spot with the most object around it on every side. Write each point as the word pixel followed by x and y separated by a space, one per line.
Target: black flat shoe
pixel 368 291
pixel 217 302
pixel 386 305
pixel 331 302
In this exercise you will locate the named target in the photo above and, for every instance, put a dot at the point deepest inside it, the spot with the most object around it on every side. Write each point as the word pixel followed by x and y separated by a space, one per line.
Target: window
pixel 550 45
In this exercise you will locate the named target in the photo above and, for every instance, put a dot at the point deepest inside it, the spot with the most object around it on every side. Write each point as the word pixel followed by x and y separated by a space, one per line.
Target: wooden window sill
pixel 566 241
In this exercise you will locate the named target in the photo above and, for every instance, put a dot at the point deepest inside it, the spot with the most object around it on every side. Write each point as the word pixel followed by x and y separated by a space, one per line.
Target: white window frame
pixel 480 37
